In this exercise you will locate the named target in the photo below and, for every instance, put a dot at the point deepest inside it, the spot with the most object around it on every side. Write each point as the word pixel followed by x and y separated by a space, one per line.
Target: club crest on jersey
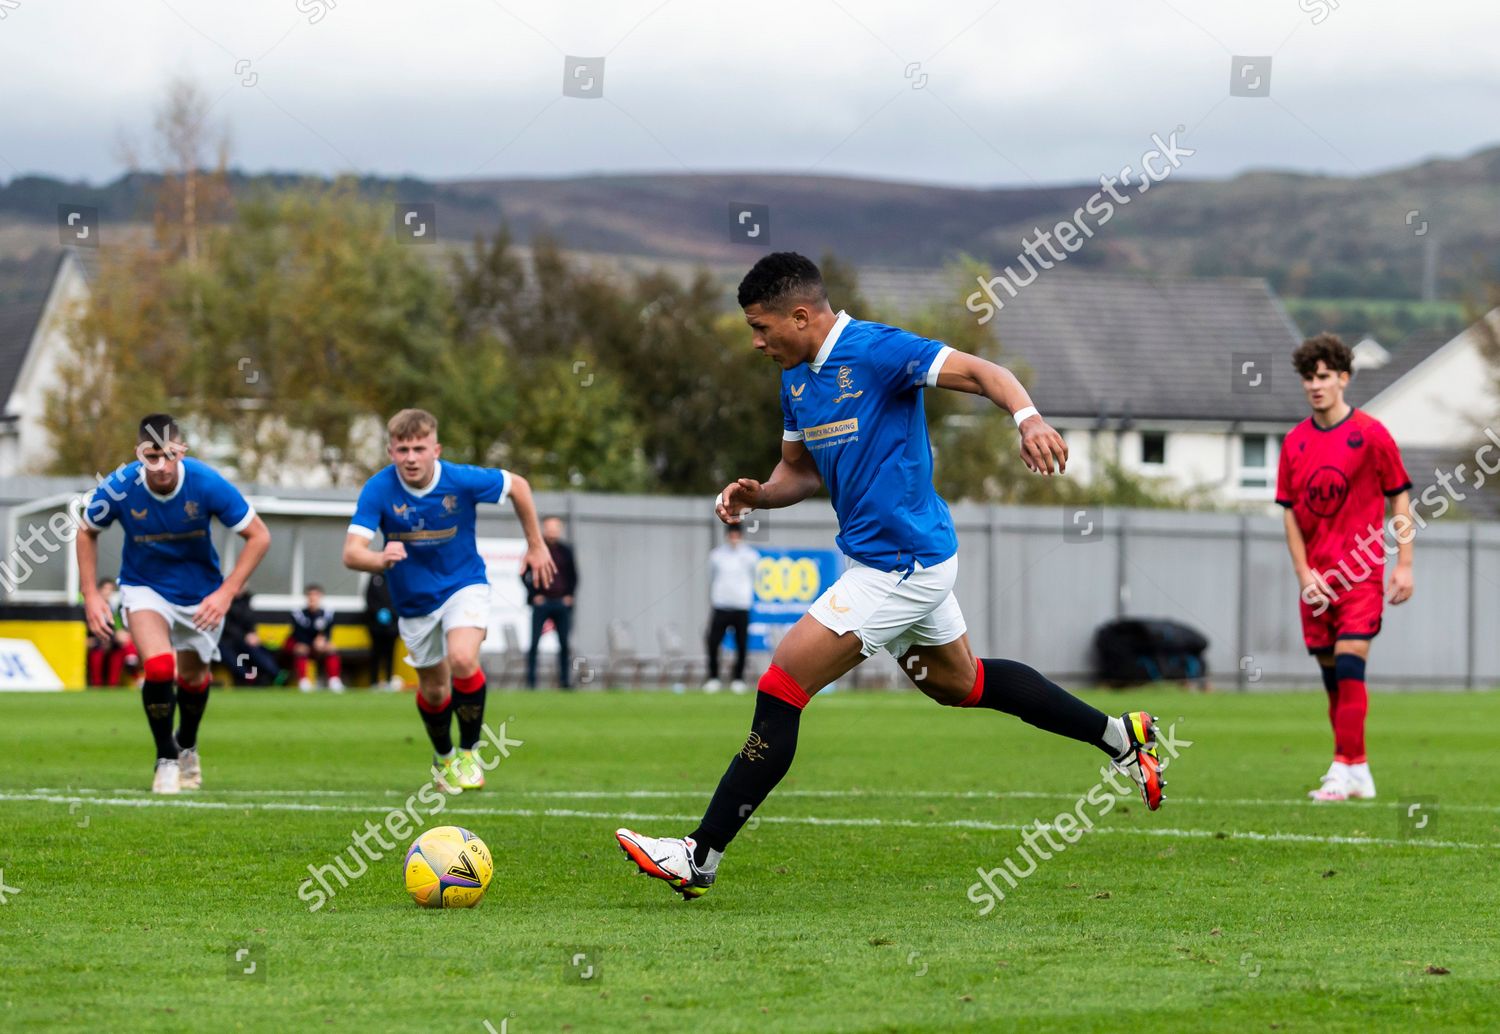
pixel 450 504
pixel 191 509
pixel 1356 438
pixel 846 384
pixel 139 515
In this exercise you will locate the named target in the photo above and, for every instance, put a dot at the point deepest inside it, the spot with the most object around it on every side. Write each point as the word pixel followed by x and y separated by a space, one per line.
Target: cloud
pixel 1046 93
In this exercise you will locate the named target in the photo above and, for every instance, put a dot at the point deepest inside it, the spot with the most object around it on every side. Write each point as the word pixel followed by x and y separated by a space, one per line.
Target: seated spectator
pixel 107 661
pixel 241 648
pixel 311 640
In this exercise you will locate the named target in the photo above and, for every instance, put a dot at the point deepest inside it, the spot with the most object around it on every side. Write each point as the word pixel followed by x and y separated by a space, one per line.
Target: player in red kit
pixel 1338 468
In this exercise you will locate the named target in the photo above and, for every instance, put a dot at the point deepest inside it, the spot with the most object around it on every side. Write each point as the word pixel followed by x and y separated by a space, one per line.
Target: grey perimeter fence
pixel 1034 582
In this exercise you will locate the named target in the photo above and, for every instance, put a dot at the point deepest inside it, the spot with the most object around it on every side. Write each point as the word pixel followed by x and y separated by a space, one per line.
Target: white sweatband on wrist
pixel 1025 414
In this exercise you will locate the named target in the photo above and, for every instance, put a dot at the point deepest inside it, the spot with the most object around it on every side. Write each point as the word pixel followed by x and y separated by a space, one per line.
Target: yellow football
pixel 448 867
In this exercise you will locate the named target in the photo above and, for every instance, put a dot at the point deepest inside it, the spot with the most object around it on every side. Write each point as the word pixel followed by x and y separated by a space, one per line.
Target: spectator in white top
pixel 731 568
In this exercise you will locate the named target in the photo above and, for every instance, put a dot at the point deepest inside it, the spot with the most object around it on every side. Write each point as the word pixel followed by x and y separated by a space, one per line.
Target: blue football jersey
pixel 437 525
pixel 857 406
pixel 168 545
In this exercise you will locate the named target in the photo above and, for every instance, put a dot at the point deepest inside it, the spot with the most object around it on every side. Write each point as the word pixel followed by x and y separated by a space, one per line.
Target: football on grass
pixel 448 867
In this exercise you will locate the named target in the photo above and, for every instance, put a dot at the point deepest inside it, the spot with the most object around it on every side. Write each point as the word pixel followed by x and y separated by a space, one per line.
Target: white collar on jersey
pixel 181 477
pixel 828 342
pixel 437 475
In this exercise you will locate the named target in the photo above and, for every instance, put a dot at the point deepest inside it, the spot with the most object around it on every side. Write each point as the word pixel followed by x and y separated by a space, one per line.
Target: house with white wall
pixel 1437 395
pixel 36 297
pixel 1436 392
pixel 1188 380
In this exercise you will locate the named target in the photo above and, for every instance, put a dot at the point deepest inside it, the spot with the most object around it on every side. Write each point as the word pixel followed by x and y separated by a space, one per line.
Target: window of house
pixel 1255 461
pixel 1153 447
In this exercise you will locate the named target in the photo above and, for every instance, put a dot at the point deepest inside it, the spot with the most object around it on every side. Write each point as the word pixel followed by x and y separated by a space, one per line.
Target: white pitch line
pixel 956 795
pixel 804 820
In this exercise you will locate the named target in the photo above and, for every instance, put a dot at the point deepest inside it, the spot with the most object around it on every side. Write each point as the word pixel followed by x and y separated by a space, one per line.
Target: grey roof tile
pixel 1153 348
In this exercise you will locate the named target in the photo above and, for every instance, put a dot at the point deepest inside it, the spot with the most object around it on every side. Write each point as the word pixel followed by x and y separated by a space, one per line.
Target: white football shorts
pixel 426 637
pixel 185 635
pixel 891 611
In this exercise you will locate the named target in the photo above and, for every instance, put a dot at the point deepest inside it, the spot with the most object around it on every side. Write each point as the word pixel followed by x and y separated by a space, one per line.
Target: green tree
pixel 522 384
pixel 706 402
pixel 672 375
pixel 127 345
pixel 309 322
pixel 122 346
pixel 575 429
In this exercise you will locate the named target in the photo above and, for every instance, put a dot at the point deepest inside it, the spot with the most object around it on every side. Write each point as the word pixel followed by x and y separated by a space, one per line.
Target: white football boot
pixel 1361 783
pixel 168 778
pixel 189 768
pixel 712 686
pixel 669 859
pixel 336 684
pixel 737 686
pixel 1335 784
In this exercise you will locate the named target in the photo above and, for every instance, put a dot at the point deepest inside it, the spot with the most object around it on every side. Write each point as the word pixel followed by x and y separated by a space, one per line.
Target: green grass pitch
pixel 1240 906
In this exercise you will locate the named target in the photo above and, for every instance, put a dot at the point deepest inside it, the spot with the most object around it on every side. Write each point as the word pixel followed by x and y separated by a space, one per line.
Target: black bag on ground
pixel 1132 651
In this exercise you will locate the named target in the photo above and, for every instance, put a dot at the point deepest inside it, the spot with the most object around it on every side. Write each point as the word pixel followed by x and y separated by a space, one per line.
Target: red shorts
pixel 1354 614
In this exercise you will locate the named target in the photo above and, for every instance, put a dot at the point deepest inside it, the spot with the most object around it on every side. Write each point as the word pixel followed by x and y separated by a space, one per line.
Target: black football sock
pixel 159 700
pixel 468 707
pixel 753 773
pixel 192 701
pixel 439 721
pixel 1021 690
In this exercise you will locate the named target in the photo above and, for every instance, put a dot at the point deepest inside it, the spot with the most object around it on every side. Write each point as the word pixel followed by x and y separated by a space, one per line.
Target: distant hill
pixel 1311 236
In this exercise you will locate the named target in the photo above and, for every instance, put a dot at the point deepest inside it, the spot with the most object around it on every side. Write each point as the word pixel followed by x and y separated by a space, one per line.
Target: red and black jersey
pixel 1335 480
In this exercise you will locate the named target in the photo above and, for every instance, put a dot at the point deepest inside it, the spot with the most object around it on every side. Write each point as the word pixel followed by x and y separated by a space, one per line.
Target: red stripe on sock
pixel 161 668
pixel 198 687
pixel 425 707
pixel 978 691
pixel 783 687
pixel 469 683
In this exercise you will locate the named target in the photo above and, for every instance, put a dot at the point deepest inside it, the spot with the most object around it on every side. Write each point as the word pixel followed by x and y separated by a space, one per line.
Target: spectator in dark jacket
pixel 248 660
pixel 312 640
pixel 554 603
pixel 380 621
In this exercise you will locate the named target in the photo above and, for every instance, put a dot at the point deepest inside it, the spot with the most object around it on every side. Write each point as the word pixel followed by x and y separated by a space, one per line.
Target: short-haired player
pixel 1338 470
pixel 172 593
pixel 425 511
pixel 853 420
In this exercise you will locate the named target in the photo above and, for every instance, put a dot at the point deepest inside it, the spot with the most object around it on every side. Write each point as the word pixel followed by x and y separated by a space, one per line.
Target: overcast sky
pixel 967 92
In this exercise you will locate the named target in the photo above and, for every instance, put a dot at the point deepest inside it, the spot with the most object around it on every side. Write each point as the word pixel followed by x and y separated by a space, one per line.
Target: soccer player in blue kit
pixel 853 419
pixel 425 509
pixel 171 591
